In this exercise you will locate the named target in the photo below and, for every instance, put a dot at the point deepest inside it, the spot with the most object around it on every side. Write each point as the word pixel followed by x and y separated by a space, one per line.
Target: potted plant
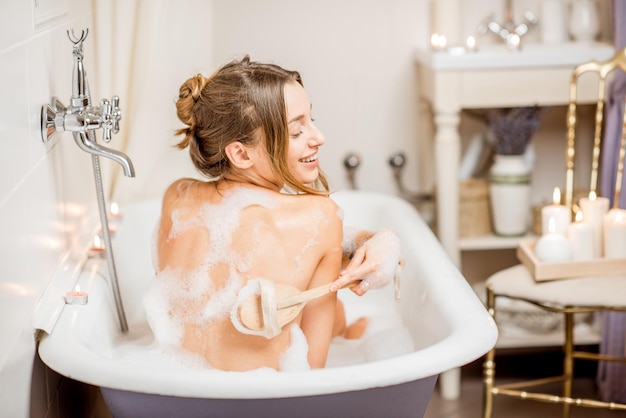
pixel 511 131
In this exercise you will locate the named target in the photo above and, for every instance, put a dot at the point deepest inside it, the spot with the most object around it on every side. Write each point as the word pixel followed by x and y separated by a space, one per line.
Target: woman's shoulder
pixel 311 201
pixel 319 207
pixel 183 192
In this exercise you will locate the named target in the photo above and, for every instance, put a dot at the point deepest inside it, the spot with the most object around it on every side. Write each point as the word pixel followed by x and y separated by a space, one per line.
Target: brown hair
pixel 231 105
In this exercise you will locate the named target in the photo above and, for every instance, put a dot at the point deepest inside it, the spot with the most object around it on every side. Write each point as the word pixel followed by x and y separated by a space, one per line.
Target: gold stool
pixel 577 295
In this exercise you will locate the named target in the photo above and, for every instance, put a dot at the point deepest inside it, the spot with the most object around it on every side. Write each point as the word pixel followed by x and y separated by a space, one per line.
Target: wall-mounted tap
pixel 397 161
pixel 82 119
pixel 351 162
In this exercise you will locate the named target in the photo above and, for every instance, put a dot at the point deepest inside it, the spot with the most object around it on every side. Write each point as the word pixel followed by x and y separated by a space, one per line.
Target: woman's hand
pixel 374 263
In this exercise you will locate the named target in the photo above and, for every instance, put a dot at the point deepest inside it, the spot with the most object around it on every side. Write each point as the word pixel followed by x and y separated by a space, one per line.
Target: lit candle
pixel 553 247
pixel 438 42
pixel 615 233
pixel 470 44
pixel 76 297
pixel 580 235
pixel 114 211
pixel 594 208
pixel 96 249
pixel 560 213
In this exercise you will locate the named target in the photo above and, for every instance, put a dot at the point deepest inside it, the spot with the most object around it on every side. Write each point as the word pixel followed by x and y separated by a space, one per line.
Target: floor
pixel 510 367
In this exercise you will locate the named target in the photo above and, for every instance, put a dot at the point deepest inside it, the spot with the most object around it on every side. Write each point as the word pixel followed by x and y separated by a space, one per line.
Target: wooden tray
pixel 543 271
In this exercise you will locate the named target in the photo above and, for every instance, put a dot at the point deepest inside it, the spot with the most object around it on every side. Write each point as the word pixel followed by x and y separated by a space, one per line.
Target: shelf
pixel 491 242
pixel 492 57
pixel 513 337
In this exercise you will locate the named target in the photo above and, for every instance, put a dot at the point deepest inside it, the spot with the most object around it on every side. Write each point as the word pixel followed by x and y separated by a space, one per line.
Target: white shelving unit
pixel 492 77
pixel 489 78
pixel 490 242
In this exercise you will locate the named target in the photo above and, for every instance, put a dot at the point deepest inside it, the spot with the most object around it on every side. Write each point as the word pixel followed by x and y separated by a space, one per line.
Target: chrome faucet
pixel 509 31
pixel 397 161
pixel 82 119
pixel 351 162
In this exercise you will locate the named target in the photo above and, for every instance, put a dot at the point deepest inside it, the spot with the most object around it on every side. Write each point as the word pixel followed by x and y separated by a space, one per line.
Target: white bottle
pixel 583 20
pixel 553 21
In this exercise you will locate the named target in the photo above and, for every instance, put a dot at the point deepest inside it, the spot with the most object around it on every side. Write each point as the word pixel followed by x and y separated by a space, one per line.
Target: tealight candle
pixel 114 211
pixel 560 213
pixel 76 297
pixel 594 208
pixel 615 233
pixel 96 249
pixel 553 247
pixel 580 235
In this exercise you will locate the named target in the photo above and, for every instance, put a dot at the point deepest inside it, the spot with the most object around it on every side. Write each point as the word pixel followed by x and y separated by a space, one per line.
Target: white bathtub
pixel 448 325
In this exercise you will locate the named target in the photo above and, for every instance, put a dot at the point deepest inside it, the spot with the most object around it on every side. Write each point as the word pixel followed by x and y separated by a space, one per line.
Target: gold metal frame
pixel 603 69
pixel 490 389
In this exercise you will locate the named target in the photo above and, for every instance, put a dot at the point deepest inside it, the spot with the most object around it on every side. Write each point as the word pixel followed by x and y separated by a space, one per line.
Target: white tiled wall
pixel 46 191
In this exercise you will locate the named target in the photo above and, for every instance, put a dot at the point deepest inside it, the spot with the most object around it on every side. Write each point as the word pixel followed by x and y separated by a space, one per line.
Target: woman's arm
pixel 318 315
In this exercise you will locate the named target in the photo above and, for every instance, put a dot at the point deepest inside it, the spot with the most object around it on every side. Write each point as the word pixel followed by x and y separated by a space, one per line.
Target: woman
pixel 249 130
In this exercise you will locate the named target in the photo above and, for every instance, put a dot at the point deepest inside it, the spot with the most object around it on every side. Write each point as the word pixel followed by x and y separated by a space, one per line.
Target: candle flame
pixel 592 195
pixel 438 41
pixel 77 289
pixel 579 216
pixel 470 42
pixel 556 196
pixel 115 208
pixel 97 241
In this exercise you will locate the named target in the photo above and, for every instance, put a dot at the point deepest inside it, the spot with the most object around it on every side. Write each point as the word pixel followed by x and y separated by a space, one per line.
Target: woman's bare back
pixel 212 241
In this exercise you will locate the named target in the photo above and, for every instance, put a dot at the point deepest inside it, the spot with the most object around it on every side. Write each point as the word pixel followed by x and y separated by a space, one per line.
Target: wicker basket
pixel 474 210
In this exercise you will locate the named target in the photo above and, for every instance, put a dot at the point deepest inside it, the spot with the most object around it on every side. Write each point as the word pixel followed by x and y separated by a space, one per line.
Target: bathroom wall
pixel 356 58
pixel 45 190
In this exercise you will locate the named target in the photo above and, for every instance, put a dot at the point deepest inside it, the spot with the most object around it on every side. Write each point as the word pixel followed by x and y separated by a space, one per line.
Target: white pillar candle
pixel 615 233
pixel 560 213
pixel 594 208
pixel 580 236
pixel 553 247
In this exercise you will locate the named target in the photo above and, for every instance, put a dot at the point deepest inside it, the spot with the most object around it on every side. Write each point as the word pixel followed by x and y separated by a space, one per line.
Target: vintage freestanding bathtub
pixel 437 324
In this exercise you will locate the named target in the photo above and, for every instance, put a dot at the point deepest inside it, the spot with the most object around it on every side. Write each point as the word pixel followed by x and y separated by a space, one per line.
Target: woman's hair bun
pixel 188 95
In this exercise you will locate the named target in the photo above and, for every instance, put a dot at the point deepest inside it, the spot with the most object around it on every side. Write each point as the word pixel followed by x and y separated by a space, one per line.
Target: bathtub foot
pixel 450 384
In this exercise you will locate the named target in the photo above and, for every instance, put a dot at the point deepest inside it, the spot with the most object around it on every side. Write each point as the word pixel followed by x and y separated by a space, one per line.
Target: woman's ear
pixel 238 155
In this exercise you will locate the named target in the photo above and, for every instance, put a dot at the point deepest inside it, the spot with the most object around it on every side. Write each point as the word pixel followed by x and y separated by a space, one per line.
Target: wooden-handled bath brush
pixel 268 308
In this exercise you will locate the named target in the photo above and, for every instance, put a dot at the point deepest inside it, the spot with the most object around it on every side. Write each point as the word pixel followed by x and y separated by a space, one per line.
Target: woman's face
pixel 304 137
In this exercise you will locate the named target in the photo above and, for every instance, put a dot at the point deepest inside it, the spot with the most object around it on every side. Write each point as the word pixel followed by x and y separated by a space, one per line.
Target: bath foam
pixel 221 220
pixel 156 302
pixel 386 335
pixel 386 244
pixel 295 357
